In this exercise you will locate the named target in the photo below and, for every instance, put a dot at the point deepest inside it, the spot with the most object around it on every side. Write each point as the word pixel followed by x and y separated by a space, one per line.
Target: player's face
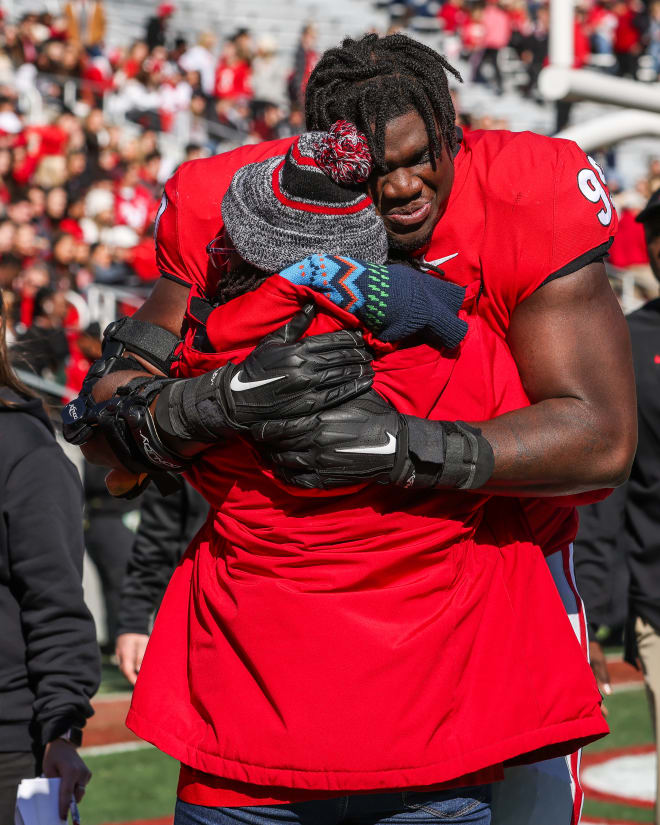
pixel 412 196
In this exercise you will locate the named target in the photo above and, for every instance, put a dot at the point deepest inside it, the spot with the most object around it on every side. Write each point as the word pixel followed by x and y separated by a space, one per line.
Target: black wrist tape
pixel 469 459
pixel 192 409
pixel 448 454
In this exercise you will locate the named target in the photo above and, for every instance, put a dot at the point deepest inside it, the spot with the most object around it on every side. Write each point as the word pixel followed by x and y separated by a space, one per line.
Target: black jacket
pixel 167 525
pixel 617 552
pixel 49 659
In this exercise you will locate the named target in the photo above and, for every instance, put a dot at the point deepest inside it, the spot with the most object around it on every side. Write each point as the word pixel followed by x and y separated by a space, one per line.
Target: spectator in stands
pixel 233 73
pixel 453 15
pixel 602 22
pixel 49 665
pixel 628 36
pixel 536 52
pixel 268 75
pixel 200 59
pixel 43 347
pixel 654 34
pixel 135 205
pixel 306 58
pixel 156 29
pixel 629 246
pixel 496 37
pixel 628 527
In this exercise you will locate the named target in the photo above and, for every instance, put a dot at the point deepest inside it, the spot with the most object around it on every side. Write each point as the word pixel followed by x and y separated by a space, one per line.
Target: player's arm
pixel 164 308
pixel 571 345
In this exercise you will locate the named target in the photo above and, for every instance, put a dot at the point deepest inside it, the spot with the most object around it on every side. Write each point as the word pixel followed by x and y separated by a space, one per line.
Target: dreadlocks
pixel 371 80
pixel 244 277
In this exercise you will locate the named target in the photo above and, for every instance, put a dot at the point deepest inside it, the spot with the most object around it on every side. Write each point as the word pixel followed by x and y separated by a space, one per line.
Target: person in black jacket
pixel 619 538
pixel 108 541
pixel 49 661
pixel 167 526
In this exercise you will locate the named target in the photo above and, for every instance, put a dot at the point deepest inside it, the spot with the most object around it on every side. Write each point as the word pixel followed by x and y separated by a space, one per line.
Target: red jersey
pixel 404 634
pixel 524 209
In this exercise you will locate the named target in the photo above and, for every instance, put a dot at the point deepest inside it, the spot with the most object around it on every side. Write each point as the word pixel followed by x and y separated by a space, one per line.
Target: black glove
pixel 366 439
pixel 282 378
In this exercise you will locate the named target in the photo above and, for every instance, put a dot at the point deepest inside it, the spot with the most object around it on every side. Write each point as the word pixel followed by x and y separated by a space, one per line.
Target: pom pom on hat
pixel 343 154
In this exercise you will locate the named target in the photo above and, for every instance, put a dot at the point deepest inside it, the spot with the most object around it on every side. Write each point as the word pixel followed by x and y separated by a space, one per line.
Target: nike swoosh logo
pixel 439 261
pixel 384 449
pixel 241 386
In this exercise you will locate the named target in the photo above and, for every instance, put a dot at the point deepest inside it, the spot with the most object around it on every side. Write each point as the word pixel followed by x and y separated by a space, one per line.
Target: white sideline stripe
pixel 117 747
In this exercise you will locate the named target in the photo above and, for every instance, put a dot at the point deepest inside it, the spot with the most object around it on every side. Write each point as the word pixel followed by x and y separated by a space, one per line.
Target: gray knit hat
pixel 285 208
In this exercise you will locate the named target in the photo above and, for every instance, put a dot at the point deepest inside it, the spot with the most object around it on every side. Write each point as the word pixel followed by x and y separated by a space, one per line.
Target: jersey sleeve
pixel 584 219
pixel 166 236
pixel 556 218
pixel 190 214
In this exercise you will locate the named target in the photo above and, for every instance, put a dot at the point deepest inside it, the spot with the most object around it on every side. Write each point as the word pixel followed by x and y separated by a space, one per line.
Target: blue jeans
pixel 461 806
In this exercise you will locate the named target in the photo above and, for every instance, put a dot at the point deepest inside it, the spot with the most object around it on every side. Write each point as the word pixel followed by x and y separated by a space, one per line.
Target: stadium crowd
pixel 610 34
pixel 79 193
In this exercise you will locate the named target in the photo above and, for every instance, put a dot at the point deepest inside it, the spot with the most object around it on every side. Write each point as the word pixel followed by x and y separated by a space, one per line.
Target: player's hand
pixel 366 439
pixel 61 759
pixel 125 484
pixel 362 440
pixel 284 377
pixel 129 651
pixel 599 667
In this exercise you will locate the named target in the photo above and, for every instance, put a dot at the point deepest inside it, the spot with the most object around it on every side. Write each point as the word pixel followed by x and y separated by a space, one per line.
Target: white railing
pixel 102 302
pixel 36 382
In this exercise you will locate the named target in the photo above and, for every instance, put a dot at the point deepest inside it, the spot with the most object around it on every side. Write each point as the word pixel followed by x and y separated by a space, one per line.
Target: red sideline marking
pixel 107 726
pixel 621 672
pixel 605 820
pixel 589 759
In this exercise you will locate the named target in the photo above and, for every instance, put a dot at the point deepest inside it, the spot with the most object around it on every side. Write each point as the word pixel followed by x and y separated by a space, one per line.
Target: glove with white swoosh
pixel 282 378
pixel 366 439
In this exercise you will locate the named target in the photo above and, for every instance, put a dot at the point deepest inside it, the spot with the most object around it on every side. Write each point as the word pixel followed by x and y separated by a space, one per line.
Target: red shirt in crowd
pixel 134 206
pixel 627 36
pixel 232 80
pixel 453 16
pixel 629 247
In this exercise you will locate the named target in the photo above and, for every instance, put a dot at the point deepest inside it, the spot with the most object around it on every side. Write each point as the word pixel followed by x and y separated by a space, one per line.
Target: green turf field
pixel 133 785
pixel 142 784
pixel 630 724
pixel 112 680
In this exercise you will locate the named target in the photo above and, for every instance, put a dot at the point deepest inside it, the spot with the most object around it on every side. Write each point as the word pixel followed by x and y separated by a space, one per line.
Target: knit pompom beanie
pixel 312 199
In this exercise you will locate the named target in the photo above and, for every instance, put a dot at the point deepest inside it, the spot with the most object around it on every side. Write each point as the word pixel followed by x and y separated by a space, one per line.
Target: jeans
pixel 461 806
